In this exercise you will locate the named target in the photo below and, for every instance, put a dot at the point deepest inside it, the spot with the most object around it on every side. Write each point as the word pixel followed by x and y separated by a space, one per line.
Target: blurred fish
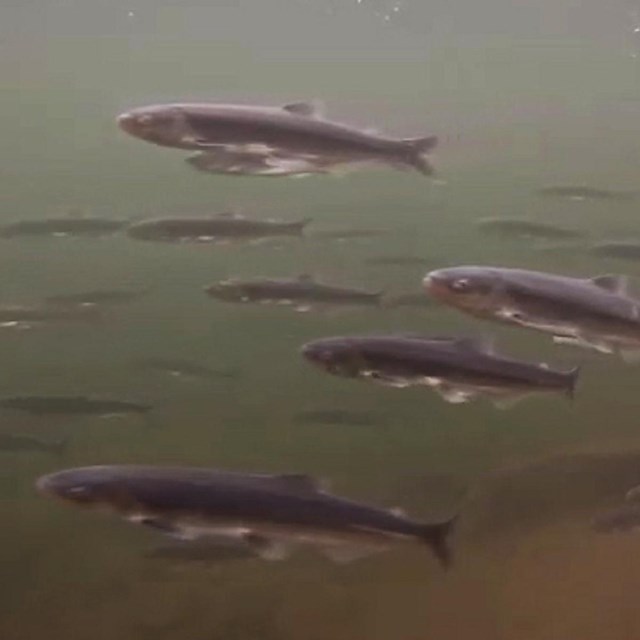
pixel 62 227
pixel 522 228
pixel 624 519
pixel 271 513
pixel 459 369
pixel 14 443
pixel 28 317
pixel 179 368
pixel 618 250
pixel 297 129
pixel 595 313
pixel 349 234
pixel 206 551
pixel 73 405
pixel 219 228
pixel 98 297
pixel 337 417
pixel 581 192
pixel 303 293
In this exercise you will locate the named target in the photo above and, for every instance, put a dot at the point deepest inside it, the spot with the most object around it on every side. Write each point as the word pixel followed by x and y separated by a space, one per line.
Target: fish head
pixel 88 487
pixel 228 291
pixel 164 125
pixel 338 356
pixel 472 289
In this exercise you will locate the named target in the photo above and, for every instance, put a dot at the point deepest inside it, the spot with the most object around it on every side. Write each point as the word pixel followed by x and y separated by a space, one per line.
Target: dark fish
pixel 268 512
pixel 521 228
pixel 459 369
pixel 296 130
pixel 596 313
pixel 618 250
pixel 251 163
pixel 337 417
pixel 14 443
pixel 578 192
pixel 185 369
pixel 206 551
pixel 624 519
pixel 398 261
pixel 27 317
pixel 73 405
pixel 61 227
pixel 303 292
pixel 561 488
pixel 98 297
pixel 218 228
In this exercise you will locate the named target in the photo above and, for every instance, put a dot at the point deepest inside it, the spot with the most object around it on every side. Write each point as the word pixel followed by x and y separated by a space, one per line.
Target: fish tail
pixel 572 381
pixel 418 150
pixel 437 536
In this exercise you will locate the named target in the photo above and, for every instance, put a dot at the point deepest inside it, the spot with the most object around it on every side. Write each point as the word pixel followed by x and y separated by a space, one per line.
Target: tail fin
pixel 299 227
pixel 572 381
pixel 437 537
pixel 418 152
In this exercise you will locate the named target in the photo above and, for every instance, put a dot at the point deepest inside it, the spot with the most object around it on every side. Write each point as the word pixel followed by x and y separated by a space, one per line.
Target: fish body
pixel 72 405
pixel 27 317
pixel 269 512
pixel 617 250
pixel 297 130
pixel 61 227
pixel 460 369
pixel 349 234
pixel 303 292
pixel 595 313
pixel 14 443
pixel 216 228
pixel 522 228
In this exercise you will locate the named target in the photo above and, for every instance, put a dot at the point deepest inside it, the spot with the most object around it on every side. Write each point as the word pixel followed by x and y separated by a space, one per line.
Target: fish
pixel 595 313
pixel 523 228
pixel 336 417
pixel 251 163
pixel 296 129
pixel 73 406
pixel 303 292
pixel 582 192
pixel 205 551
pixel 30 316
pixel 14 443
pixel 63 227
pixel 96 297
pixel 180 368
pixel 271 513
pixel 216 228
pixel 623 519
pixel 617 250
pixel 349 234
pixel 459 369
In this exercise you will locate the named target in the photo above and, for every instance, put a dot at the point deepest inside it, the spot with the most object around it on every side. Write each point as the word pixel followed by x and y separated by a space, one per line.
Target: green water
pixel 520 97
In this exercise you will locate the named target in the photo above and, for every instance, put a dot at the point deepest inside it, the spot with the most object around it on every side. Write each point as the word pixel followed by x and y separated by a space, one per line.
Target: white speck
pixel 636 30
pixel 131 14
pixel 396 9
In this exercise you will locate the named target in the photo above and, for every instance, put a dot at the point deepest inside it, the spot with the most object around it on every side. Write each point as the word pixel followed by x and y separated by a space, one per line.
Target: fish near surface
pixel 581 192
pixel 303 292
pixel 96 297
pixel 459 369
pixel 595 313
pixel 271 513
pixel 73 405
pixel 296 129
pixel 215 228
pixel 28 317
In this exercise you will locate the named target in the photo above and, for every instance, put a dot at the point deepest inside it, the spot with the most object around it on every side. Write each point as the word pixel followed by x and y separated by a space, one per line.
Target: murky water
pixel 521 97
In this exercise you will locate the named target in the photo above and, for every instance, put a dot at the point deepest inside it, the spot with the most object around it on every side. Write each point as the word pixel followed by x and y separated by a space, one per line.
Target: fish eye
pixel 462 284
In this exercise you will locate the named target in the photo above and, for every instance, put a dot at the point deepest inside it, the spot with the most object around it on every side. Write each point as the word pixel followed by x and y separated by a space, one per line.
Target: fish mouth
pixel 435 285
pixel 128 122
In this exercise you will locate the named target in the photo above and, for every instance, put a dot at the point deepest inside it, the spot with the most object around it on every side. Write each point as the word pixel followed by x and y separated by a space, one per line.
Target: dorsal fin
pixel 298 482
pixel 612 283
pixel 306 109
